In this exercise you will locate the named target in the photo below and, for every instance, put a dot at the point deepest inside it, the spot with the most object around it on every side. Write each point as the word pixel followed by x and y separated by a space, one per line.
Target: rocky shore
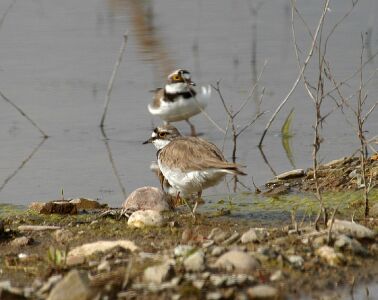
pixel 150 254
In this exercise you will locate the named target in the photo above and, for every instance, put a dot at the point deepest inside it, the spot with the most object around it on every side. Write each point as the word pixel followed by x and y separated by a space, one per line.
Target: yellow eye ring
pixel 176 77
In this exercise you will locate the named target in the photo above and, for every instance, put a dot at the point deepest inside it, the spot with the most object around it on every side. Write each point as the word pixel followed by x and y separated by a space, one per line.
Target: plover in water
pixel 178 100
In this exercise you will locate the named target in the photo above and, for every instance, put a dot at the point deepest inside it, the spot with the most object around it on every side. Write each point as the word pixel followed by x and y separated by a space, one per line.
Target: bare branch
pixel 112 78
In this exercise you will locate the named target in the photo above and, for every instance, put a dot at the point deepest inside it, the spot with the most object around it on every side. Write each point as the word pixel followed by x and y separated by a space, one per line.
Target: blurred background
pixel 56 58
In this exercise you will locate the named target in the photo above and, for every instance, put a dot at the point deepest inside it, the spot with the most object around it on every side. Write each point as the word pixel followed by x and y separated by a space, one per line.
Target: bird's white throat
pixel 160 144
pixel 175 88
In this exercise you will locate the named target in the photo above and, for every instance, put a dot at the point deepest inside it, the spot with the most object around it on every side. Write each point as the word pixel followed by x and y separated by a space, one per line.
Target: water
pixel 56 59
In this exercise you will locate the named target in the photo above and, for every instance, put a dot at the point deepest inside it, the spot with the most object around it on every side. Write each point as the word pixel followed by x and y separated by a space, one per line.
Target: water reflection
pixel 141 14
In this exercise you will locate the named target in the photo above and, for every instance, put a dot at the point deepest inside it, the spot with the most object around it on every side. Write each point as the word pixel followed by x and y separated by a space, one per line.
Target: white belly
pixel 181 109
pixel 191 182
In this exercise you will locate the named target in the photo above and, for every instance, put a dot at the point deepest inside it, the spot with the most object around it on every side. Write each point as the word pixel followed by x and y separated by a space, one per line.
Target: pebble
pixel 213 296
pixel 104 266
pixel 46 287
pixel 159 273
pixel 63 236
pixel 195 262
pixel 147 198
pixel 237 260
pixel 232 238
pixel 218 250
pixel 262 291
pixel 352 229
pixel 249 236
pixel 21 241
pixel 183 250
pixel 207 244
pixel 76 283
pixel 330 255
pixel 296 260
pixel 319 241
pixel 276 276
pixel 373 211
pixel 217 234
pixel 143 218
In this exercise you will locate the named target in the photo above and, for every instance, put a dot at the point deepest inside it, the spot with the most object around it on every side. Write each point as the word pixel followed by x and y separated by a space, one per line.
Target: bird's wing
pixel 192 153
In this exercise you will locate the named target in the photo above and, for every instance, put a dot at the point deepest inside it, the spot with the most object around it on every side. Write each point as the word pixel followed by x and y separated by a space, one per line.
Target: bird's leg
pixel 190 208
pixel 196 204
pixel 192 128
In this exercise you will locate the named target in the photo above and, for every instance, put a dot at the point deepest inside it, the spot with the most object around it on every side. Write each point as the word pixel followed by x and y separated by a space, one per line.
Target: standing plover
pixel 178 101
pixel 189 164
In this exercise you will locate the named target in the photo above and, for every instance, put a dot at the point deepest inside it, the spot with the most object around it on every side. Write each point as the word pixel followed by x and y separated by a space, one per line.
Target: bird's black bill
pixel 148 141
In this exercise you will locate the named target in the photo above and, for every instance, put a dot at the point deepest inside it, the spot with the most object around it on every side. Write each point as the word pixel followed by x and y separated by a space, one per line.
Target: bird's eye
pixel 176 77
pixel 162 134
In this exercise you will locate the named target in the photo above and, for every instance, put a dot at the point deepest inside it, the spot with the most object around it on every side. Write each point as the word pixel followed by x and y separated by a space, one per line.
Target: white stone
pixel 262 291
pixel 158 273
pixel 101 246
pixel 195 262
pixel 143 218
pixel 296 260
pixel 182 250
pixel 249 236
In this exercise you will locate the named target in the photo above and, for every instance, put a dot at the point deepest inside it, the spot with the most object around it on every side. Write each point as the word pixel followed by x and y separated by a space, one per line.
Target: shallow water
pixel 56 59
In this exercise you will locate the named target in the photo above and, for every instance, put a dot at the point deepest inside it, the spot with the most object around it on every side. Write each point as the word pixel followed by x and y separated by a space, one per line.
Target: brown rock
pixel 59 207
pixel 147 197
pixel 84 203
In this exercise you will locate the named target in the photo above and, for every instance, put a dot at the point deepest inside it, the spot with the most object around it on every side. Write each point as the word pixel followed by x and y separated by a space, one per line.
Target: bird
pixel 189 164
pixel 178 100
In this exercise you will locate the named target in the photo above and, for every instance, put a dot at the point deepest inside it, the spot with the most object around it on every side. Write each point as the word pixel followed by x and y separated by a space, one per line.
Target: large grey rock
pixel 143 218
pixel 147 197
pixel 159 273
pixel 74 286
pixel 352 229
pixel 239 261
pixel 195 262
pixel 263 291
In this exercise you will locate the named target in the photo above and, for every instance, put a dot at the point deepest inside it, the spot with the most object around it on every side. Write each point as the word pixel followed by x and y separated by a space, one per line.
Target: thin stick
pixel 23 163
pixel 310 53
pixel 6 13
pixel 112 78
pixel 44 135
pixel 115 171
